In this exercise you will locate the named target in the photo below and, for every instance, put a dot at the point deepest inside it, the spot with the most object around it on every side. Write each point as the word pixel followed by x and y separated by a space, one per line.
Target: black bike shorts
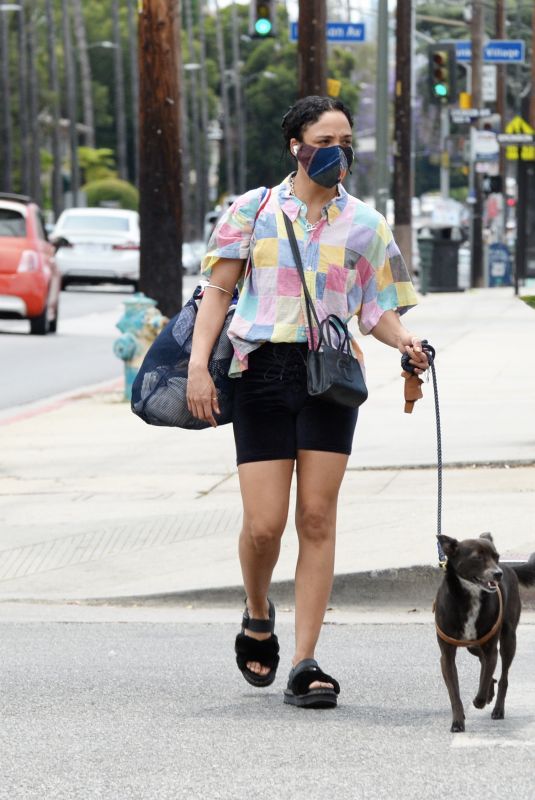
pixel 274 416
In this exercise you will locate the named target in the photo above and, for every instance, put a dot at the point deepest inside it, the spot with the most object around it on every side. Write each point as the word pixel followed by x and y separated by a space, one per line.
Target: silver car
pixel 97 245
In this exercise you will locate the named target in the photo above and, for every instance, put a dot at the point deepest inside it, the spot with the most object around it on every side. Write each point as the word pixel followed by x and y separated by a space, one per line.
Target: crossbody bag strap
pixel 299 264
pixel 266 194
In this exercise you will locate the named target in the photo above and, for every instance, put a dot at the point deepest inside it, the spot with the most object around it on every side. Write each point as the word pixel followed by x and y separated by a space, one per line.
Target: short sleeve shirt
pixel 351 262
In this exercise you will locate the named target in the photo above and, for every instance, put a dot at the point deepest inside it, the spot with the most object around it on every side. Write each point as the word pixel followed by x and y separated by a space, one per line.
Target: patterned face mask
pixel 326 166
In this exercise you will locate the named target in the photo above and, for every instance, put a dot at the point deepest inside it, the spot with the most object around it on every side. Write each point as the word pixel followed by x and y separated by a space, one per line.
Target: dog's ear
pixel 448 544
pixel 487 536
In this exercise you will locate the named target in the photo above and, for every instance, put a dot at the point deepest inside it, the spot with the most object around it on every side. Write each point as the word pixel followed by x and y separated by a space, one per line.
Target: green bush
pixel 112 190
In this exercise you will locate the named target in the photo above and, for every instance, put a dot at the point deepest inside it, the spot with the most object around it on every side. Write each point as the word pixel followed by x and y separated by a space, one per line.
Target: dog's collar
pixel 475 642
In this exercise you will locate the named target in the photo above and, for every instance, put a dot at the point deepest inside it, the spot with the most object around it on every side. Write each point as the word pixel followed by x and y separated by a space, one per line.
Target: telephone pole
pixel 403 182
pixel 382 171
pixel 118 73
pixel 70 87
pixel 312 47
pixel 478 29
pixel 160 167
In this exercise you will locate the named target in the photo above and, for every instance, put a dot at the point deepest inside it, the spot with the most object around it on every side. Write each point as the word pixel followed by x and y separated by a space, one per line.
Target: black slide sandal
pixel 265 651
pixel 299 693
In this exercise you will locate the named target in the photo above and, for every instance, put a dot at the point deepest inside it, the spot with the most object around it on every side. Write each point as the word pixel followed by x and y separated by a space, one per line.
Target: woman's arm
pixel 201 393
pixel 390 331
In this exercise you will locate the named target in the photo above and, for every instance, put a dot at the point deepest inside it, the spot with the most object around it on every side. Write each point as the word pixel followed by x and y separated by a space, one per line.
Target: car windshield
pixel 12 223
pixel 104 223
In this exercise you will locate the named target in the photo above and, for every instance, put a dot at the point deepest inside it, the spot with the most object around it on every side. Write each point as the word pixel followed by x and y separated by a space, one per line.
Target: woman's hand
pixel 417 356
pixel 201 394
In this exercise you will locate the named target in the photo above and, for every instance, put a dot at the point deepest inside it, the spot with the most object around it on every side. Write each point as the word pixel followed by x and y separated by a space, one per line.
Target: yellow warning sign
pixel 527 152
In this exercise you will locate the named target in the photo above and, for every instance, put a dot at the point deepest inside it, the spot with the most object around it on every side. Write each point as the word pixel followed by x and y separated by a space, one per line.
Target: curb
pixel 9 416
pixel 414 587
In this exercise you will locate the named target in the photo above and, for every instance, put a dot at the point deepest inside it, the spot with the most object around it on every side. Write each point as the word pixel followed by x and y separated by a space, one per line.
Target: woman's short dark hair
pixel 306 111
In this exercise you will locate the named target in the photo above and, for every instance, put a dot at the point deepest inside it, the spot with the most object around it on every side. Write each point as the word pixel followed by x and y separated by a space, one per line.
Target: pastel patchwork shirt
pixel 351 262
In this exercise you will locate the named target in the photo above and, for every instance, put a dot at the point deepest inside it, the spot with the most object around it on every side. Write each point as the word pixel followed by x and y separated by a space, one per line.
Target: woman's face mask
pixel 326 166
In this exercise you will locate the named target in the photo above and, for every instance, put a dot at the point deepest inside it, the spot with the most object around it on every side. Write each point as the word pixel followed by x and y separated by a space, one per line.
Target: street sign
pixel 463 115
pixel 522 135
pixel 516 138
pixel 489 83
pixel 497 51
pixel 337 32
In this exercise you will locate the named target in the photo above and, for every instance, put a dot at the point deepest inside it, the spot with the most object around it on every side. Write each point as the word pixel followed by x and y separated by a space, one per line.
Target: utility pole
pixel 204 187
pixel 160 168
pixel 35 135
pixel 478 29
pixel 85 73
pixel 227 127
pixel 500 20
pixel 403 179
pixel 134 84
pixel 6 132
pixel 118 71
pixel 238 104
pixel 532 94
pixel 195 197
pixel 24 119
pixel 57 187
pixel 70 84
pixel 312 47
pixel 382 172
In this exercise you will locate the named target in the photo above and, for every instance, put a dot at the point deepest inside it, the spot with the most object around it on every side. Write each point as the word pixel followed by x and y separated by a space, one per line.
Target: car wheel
pixel 135 286
pixel 64 284
pixel 39 326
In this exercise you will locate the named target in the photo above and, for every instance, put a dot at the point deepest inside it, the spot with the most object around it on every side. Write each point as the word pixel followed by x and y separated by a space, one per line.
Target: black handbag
pixel 332 371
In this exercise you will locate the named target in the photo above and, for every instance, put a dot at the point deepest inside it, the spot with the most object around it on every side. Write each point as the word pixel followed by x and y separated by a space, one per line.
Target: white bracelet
pixel 213 286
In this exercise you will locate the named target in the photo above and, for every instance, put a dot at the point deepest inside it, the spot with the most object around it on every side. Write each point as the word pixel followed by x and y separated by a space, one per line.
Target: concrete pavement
pixel 95 504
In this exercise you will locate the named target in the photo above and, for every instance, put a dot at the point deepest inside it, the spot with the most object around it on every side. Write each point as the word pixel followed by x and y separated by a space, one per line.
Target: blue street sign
pixel 338 32
pixel 497 51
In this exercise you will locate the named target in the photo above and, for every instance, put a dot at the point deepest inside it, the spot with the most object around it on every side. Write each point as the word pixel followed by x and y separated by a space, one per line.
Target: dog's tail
pixel 526 572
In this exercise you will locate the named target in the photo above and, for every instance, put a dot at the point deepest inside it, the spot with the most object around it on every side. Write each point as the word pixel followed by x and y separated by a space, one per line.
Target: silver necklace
pixel 309 226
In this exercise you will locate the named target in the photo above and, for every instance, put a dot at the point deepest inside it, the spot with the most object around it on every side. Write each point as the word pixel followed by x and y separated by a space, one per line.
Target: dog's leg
pixel 451 679
pixel 507 653
pixel 488 657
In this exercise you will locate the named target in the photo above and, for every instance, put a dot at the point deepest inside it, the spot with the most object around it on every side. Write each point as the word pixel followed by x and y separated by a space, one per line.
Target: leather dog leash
pixel 474 642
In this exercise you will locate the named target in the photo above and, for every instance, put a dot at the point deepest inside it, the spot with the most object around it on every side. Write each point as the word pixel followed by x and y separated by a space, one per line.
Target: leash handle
pixel 428 349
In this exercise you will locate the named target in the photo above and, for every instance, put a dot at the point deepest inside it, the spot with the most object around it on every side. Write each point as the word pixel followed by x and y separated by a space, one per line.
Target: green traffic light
pixel 263 27
pixel 440 90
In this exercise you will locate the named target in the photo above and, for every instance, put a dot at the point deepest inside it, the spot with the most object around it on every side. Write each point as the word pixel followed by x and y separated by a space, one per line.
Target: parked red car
pixel 30 282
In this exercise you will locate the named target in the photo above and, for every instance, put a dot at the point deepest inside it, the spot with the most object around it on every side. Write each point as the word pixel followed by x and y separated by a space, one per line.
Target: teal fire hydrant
pixel 140 325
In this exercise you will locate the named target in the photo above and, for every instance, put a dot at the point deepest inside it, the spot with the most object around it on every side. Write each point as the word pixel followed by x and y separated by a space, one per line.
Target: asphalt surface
pixel 151 708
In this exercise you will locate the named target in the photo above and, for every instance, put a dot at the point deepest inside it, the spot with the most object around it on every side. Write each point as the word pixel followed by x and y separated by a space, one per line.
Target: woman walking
pixel 352 266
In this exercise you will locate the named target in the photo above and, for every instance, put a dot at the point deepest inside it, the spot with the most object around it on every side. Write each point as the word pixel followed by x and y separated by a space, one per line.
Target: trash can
pixel 439 258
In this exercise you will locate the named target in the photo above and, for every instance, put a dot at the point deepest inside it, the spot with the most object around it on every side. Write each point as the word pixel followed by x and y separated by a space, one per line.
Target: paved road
pixel 80 354
pixel 141 703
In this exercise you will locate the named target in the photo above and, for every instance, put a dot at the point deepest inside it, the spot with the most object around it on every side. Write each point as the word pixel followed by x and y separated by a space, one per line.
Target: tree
pixel 85 72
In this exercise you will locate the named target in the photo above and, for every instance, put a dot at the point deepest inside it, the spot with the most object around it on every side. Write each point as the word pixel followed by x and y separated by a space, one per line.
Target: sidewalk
pixel 96 504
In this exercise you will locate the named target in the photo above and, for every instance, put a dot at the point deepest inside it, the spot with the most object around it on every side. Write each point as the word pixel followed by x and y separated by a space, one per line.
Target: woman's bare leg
pixel 265 490
pixel 319 477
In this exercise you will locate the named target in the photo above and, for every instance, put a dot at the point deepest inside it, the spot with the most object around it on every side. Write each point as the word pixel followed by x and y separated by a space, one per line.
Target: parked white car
pixel 98 245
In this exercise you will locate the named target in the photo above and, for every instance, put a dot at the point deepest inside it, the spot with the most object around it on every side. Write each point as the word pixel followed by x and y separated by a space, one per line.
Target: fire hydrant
pixel 140 325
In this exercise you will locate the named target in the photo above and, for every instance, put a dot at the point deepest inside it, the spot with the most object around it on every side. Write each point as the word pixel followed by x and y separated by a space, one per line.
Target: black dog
pixel 478 606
